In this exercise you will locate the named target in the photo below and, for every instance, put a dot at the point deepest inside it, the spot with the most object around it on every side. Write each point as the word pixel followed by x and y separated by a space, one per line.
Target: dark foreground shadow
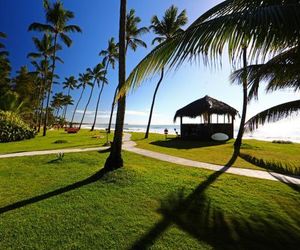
pixel 59 191
pixel 272 165
pixel 185 144
pixel 195 215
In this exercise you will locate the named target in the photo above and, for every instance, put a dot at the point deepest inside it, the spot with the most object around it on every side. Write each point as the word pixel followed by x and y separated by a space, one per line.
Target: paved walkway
pixel 129 145
pixel 49 152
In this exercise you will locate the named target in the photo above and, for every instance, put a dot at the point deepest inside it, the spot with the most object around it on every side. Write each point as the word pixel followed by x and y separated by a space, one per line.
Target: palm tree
pixel 110 56
pixel 132 40
pixel 57 102
pixel 57 18
pixel 70 84
pixel 280 72
pixel 84 80
pixel 237 25
pixel 166 28
pixel 45 51
pixel 97 74
pixel 5 68
pixel 114 159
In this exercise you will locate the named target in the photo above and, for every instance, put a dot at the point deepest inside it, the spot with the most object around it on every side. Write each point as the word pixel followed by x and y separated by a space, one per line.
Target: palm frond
pixel 66 40
pixel 41 27
pixel 72 28
pixel 273 114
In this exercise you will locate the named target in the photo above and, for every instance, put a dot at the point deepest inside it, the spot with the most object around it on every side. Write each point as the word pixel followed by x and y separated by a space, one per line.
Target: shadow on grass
pixel 59 191
pixel 195 215
pixel 272 165
pixel 185 144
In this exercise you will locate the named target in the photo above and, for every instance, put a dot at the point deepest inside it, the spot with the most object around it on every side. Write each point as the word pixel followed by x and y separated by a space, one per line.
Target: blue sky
pixel 99 22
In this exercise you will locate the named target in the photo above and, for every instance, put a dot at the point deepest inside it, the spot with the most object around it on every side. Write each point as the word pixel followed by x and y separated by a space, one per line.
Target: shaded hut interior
pixel 214 117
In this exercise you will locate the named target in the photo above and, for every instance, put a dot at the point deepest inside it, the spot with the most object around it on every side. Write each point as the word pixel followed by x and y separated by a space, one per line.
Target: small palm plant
pixel 57 18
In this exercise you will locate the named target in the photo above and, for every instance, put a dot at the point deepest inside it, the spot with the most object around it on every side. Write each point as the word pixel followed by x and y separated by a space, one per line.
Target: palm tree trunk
pixel 86 106
pixel 76 107
pixel 115 160
pixel 112 110
pixel 50 87
pixel 97 106
pixel 153 101
pixel 66 107
pixel 43 94
pixel 238 141
pixel 99 97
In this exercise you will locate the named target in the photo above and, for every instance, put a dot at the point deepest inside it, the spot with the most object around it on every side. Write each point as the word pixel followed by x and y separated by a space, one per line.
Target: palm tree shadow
pixel 195 215
pixel 185 144
pixel 95 177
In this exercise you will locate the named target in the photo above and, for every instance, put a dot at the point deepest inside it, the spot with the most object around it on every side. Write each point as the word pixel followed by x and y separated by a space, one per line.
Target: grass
pixel 57 139
pixel 147 203
pixel 283 158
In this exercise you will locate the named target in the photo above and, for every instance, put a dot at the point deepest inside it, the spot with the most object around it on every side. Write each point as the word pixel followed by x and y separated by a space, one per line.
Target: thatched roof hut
pixel 205 106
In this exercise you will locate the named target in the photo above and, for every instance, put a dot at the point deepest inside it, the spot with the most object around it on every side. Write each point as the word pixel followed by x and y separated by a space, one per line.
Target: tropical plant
pixel 57 102
pixel 5 68
pixel 133 41
pixel 263 27
pixel 84 80
pixel 98 75
pixel 13 128
pixel 110 56
pixel 57 18
pixel 280 72
pixel 167 28
pixel 114 159
pixel 69 84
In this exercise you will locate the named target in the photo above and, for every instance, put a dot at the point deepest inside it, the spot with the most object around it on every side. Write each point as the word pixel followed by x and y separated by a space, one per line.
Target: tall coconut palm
pixel 57 18
pixel 110 56
pixel 133 41
pixel 236 25
pixel 84 80
pixel 57 102
pixel 45 50
pixel 5 67
pixel 114 159
pixel 167 28
pixel 280 72
pixel 69 84
pixel 98 75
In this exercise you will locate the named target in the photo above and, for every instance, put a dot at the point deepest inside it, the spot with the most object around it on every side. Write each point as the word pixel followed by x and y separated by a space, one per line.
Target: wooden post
pixel 181 134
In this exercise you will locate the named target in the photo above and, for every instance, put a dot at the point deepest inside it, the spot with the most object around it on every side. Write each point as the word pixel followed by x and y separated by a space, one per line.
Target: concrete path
pixel 129 145
pixel 56 151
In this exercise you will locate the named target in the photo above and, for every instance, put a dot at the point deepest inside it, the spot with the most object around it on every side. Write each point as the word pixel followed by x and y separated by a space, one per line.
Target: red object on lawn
pixel 72 130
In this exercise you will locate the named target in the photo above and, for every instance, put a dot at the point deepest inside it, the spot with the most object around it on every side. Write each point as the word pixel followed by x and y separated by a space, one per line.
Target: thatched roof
pixel 205 105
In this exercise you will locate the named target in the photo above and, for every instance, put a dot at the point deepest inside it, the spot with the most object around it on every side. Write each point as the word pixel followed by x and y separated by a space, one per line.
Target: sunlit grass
pixel 120 209
pixel 84 138
pixel 286 157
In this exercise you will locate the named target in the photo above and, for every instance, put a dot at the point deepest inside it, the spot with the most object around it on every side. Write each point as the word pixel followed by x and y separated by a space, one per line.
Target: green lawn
pixel 147 203
pixel 83 139
pixel 284 158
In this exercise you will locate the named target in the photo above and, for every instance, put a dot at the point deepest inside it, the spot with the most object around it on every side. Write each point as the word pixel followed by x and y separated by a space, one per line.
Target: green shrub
pixel 60 141
pixel 13 128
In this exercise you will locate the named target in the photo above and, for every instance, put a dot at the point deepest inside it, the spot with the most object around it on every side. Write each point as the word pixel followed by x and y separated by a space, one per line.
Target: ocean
pixel 279 131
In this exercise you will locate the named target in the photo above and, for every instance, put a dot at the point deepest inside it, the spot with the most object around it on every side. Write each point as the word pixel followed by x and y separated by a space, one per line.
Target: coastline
pixel 159 129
